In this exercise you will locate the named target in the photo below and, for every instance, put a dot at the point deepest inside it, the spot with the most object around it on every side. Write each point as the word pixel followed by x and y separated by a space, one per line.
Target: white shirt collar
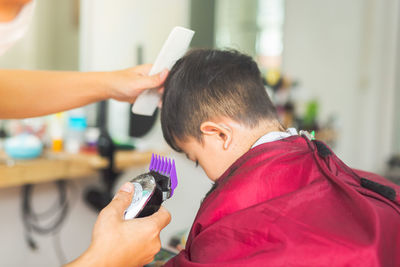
pixel 275 136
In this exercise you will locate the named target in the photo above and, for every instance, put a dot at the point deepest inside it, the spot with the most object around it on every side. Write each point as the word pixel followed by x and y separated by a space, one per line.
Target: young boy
pixel 279 198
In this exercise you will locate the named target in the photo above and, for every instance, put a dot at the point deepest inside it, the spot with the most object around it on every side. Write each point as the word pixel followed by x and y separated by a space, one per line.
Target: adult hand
pixel 129 83
pixel 119 242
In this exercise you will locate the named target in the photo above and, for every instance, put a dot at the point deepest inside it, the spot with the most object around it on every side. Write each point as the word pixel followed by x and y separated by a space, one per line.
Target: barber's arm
pixel 116 242
pixel 25 93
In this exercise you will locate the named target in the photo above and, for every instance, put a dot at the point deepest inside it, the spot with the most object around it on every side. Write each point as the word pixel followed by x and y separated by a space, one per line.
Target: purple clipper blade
pixel 166 167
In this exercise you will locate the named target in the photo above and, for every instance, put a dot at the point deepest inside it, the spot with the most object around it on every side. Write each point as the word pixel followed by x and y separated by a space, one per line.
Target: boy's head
pixel 215 107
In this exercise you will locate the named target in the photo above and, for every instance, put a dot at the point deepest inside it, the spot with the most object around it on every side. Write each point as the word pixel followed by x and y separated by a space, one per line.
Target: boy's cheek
pixel 215 162
pixel 213 170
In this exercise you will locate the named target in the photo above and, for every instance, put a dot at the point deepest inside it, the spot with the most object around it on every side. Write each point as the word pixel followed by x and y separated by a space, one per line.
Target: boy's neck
pixel 229 140
pixel 263 129
pixel 245 138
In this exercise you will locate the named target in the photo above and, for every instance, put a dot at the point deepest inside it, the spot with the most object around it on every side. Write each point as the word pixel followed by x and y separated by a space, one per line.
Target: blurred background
pixel 331 67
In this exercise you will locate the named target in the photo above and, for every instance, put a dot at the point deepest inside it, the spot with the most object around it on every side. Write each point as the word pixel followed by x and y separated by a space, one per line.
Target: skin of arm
pixel 25 93
pixel 118 242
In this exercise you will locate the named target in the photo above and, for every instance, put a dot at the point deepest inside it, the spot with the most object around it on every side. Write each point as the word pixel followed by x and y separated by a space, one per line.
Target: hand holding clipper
pixel 152 188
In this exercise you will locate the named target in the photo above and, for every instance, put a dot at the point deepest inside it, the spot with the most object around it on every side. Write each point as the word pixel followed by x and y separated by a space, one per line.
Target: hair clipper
pixel 152 188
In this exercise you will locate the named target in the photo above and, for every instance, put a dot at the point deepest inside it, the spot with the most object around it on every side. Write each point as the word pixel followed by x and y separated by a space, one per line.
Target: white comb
pixel 173 49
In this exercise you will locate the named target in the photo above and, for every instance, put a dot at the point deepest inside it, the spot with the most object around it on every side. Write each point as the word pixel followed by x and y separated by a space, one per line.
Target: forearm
pixel 35 93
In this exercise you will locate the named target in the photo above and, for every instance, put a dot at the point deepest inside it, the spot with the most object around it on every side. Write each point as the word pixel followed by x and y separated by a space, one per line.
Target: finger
pixel 164 74
pixel 153 81
pixel 161 90
pixel 123 198
pixel 161 218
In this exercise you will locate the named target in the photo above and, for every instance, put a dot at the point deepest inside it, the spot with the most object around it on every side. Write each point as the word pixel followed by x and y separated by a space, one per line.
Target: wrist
pixel 90 258
pixel 106 84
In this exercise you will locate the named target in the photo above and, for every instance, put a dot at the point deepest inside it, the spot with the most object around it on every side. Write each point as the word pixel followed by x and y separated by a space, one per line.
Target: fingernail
pixel 127 187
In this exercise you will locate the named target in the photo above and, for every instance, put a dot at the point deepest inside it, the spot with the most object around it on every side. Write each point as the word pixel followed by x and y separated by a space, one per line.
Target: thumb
pixel 162 217
pixel 123 198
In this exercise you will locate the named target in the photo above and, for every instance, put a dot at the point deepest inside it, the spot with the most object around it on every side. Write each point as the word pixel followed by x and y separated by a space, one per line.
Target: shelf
pixel 55 166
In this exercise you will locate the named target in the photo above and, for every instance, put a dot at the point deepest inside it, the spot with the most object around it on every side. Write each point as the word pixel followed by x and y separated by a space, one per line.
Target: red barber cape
pixel 294 203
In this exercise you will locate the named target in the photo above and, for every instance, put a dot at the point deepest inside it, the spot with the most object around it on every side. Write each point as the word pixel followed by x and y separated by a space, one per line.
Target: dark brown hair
pixel 208 83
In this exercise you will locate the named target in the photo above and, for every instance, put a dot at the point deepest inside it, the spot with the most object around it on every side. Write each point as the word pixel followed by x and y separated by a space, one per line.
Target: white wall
pixel 342 52
pixel 236 25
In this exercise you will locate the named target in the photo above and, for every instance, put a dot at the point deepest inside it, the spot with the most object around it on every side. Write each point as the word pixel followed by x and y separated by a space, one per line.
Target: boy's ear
pixel 220 131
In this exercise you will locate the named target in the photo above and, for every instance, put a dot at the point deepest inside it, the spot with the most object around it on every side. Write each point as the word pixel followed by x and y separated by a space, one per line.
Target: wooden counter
pixel 55 166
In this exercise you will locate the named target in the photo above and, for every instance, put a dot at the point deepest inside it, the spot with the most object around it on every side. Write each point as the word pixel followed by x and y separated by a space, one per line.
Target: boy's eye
pixel 197 163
